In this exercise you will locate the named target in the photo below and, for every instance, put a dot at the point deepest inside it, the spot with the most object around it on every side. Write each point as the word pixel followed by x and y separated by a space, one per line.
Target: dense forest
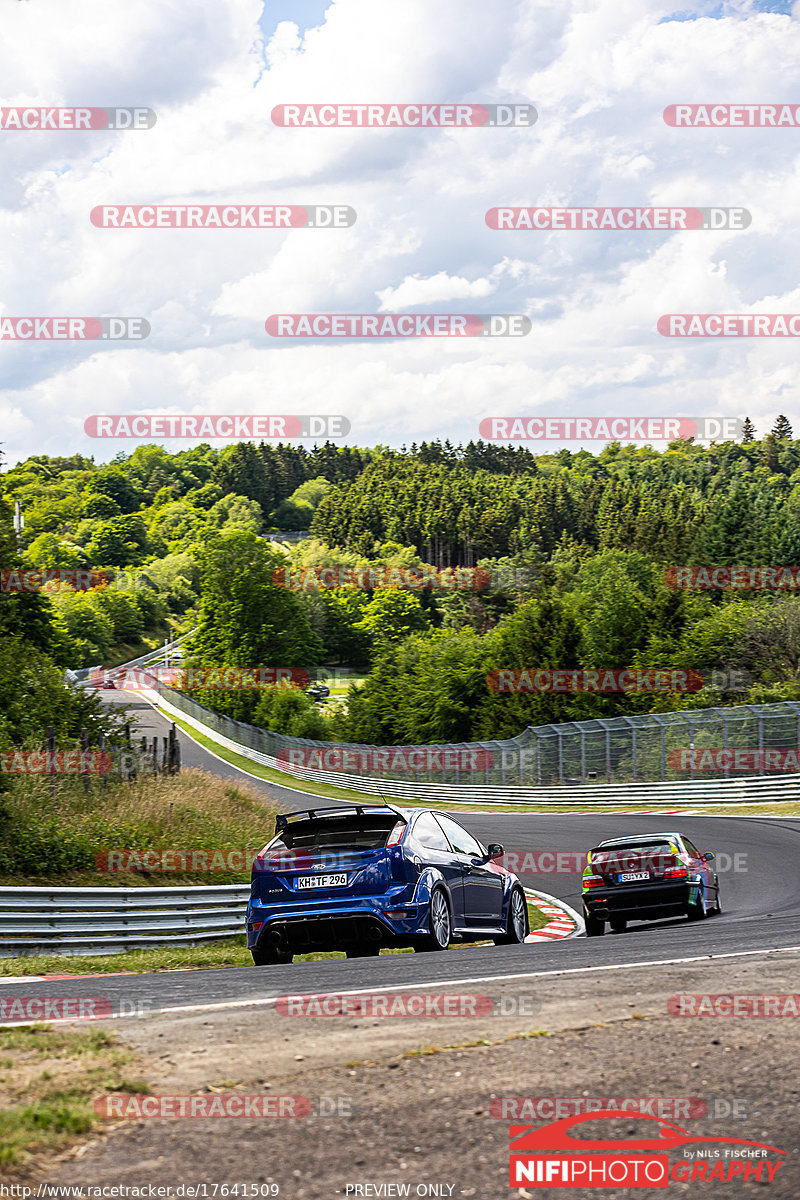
pixel 577 547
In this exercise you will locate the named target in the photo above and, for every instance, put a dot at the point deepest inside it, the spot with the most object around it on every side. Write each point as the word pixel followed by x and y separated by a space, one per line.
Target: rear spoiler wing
pixel 312 814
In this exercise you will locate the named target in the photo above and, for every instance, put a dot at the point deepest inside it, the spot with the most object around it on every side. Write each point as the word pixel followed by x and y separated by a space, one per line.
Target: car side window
pixel 461 841
pixel 695 853
pixel 428 833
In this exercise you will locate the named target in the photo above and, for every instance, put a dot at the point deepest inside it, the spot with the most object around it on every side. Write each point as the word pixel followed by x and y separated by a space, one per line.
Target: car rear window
pixel 631 855
pixel 638 847
pixel 337 833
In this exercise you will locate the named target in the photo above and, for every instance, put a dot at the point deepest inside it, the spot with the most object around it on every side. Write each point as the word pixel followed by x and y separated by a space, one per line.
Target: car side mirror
pixel 495 850
pixel 707 857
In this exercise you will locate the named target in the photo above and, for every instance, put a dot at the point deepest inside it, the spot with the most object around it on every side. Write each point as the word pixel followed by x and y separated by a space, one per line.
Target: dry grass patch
pixel 64 844
pixel 49 1080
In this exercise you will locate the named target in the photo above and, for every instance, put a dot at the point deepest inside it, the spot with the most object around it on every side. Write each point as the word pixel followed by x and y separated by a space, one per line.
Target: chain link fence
pixel 700 744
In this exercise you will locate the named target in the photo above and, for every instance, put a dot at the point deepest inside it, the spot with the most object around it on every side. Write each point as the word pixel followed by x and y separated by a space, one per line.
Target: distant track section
pixel 691 793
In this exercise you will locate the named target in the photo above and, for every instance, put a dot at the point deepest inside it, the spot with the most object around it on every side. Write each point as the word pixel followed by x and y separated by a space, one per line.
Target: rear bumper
pixel 639 903
pixel 330 925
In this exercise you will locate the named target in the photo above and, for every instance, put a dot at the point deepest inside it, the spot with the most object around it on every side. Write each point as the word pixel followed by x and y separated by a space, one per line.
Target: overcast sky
pixel 600 73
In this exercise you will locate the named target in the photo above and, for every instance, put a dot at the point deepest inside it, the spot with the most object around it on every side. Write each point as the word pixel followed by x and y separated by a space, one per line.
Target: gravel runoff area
pixel 399 1108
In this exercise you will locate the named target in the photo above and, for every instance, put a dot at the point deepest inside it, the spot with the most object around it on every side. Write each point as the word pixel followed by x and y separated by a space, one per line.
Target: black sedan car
pixel 645 877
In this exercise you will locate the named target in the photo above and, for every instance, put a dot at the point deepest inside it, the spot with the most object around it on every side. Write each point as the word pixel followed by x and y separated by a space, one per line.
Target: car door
pixel 435 851
pixel 483 884
pixel 699 866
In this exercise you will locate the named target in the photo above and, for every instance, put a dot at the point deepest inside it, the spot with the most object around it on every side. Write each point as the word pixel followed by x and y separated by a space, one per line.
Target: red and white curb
pixel 564 922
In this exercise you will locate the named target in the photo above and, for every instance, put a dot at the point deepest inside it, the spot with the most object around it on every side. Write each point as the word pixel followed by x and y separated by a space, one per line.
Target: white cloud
pixel 415 290
pixel 600 72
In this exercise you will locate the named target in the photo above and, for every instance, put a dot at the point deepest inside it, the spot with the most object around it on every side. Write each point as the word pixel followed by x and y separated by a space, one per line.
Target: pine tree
pixel 782 428
pixel 771 461
pixel 748 431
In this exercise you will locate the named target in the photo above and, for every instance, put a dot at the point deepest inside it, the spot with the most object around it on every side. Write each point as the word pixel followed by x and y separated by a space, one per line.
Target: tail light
pixel 397 833
pixel 676 873
pixel 592 881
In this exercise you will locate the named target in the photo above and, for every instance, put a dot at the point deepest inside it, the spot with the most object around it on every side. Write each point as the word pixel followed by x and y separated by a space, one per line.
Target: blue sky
pixel 730 8
pixel 305 13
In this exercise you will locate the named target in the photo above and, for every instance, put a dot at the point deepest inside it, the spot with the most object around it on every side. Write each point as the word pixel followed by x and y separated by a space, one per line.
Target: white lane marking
pixel 269 1001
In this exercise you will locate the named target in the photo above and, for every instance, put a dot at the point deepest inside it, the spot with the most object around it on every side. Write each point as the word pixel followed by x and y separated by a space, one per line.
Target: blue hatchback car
pixel 359 877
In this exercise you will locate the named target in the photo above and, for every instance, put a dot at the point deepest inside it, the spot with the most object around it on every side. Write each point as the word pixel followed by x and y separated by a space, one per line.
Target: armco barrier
pixel 87 921
pixel 650 795
pixel 83 675
pixel 100 920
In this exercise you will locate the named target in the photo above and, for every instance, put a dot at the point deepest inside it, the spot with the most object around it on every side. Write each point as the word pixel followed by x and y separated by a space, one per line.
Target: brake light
pixel 397 833
pixel 590 881
pixel 676 873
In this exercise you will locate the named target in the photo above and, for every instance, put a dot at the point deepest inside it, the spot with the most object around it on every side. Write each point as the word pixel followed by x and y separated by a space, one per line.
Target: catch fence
pixel 700 745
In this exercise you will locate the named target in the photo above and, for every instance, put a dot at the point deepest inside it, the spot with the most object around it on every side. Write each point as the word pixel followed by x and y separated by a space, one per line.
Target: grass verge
pixel 48 1082
pixel 232 952
pixel 67 844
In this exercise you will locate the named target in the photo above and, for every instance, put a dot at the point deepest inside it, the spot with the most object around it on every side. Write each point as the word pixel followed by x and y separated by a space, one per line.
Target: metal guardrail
pixel 108 920
pixel 83 675
pixel 654 795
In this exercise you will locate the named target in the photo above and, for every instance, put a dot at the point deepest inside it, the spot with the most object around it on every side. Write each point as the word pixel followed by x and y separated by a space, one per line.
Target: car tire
pixel 699 911
pixel 363 952
pixel 595 927
pixel 517 925
pixel 619 924
pixel 265 956
pixel 439 923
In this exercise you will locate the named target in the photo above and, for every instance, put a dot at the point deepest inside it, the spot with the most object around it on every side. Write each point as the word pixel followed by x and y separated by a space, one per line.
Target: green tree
pixel 245 618
pixel 391 615
pixel 782 429
pixel 120 542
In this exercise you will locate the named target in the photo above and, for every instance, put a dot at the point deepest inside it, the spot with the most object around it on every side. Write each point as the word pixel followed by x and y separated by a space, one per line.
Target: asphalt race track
pixel 760 890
